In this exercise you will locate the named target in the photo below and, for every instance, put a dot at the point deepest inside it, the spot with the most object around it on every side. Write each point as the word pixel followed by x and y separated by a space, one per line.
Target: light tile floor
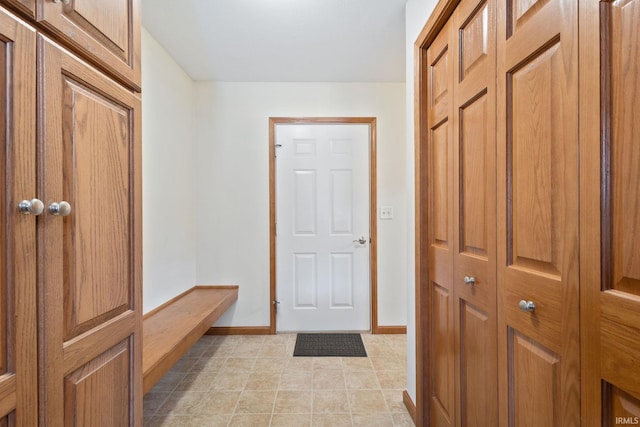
pixel 255 381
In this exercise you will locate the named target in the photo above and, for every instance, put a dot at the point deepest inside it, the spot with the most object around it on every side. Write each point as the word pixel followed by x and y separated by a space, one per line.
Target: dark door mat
pixel 323 345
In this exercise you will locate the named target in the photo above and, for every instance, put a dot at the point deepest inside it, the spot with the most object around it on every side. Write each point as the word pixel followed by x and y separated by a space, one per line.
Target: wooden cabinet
pixel 542 144
pixel 107 32
pixel 71 280
pixel 18 327
pixel 90 289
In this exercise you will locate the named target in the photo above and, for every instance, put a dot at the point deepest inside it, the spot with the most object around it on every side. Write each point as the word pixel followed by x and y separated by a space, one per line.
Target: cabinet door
pixel 18 324
pixel 538 256
pixel 474 184
pixel 439 217
pixel 90 280
pixel 610 211
pixel 25 6
pixel 108 32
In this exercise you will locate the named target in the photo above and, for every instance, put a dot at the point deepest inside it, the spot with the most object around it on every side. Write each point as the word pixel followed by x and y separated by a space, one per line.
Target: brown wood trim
pixel 177 297
pixel 438 18
pixel 373 223
pixel 408 403
pixel 389 330
pixel 239 330
pixel 594 133
pixel 421 239
pixel 373 247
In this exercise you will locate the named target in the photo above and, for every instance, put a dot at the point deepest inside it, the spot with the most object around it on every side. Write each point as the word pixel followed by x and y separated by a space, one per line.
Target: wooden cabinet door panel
pixel 109 32
pixel 25 6
pixel 440 230
pixel 474 183
pixel 538 212
pixel 611 183
pixel 18 324
pixel 90 286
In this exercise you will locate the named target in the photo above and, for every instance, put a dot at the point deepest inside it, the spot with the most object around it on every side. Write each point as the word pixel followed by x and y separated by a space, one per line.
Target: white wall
pixel 233 184
pixel 417 13
pixel 168 176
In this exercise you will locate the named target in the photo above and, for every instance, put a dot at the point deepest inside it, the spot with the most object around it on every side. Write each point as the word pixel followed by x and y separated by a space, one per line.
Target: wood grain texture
pixel 98 394
pixel 106 33
pixel 77 104
pixel 170 332
pixel 538 212
pixel 438 157
pixel 373 195
pixel 25 7
pixel 474 212
pixel 18 257
pixel 590 211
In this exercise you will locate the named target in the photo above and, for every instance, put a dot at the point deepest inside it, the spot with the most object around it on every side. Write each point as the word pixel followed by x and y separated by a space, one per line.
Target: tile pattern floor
pixel 255 381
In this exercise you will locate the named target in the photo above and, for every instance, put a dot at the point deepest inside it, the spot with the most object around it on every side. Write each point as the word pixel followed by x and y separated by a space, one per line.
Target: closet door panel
pixel 18 316
pixel 440 231
pixel 90 285
pixel 538 212
pixel 619 313
pixel 474 273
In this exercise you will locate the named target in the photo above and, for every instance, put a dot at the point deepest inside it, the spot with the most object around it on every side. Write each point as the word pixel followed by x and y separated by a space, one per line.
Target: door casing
pixel 373 252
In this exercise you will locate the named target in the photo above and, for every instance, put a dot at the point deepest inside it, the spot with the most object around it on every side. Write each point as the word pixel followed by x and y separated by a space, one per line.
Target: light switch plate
pixel 386 212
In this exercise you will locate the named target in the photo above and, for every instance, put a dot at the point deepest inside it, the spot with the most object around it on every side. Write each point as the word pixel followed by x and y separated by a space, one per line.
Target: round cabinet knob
pixel 469 280
pixel 62 1
pixel 60 209
pixel 527 306
pixel 31 207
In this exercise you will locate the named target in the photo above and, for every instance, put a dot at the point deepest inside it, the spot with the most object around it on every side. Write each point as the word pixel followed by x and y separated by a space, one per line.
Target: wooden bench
pixel 171 329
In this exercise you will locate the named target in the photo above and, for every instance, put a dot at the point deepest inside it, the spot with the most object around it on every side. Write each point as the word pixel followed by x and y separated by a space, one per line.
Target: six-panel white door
pixel 322 194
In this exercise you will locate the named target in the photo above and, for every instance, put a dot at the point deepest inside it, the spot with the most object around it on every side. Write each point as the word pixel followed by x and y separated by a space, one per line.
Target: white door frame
pixel 373 248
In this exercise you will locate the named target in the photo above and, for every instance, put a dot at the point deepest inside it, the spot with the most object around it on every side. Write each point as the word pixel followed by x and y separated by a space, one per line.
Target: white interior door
pixel 322 194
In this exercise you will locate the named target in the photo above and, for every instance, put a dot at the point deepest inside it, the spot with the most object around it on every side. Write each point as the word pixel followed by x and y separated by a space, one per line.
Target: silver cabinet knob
pixel 31 207
pixel 469 280
pixel 361 240
pixel 60 209
pixel 527 306
pixel 63 1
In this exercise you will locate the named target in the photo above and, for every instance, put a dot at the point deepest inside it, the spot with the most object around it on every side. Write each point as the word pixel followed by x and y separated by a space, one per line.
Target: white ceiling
pixel 282 40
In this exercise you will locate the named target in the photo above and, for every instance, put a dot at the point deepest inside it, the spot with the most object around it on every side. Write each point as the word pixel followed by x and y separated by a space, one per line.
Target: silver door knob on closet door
pixel 361 240
pixel 31 207
pixel 469 280
pixel 527 306
pixel 60 209
pixel 62 1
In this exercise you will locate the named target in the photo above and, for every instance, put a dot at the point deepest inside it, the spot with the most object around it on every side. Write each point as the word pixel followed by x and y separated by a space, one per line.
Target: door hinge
pixel 275 152
pixel 276 304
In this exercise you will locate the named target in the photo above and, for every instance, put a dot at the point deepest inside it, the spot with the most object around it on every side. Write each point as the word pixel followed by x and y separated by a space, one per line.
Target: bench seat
pixel 171 329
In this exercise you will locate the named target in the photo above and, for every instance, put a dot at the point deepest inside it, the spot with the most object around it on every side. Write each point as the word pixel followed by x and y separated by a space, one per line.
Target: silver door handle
pixel 361 240
pixel 469 280
pixel 60 209
pixel 31 207
pixel 527 306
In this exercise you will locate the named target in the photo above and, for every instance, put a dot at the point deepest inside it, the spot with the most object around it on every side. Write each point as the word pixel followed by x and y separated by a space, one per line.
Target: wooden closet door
pixel 538 255
pixel 610 212
pixel 90 279
pixel 18 324
pixel 474 188
pixel 440 223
